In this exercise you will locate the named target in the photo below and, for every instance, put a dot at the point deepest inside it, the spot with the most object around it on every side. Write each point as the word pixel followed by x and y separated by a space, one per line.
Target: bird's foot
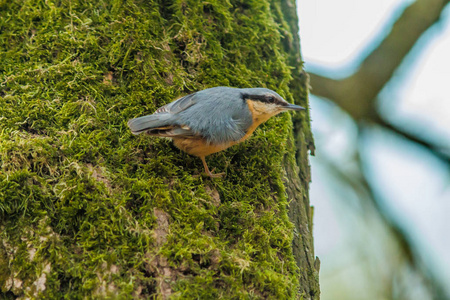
pixel 212 175
pixel 217 175
pixel 208 172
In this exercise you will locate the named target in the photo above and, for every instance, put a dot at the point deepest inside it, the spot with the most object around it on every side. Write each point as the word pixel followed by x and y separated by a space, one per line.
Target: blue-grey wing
pixel 163 121
pixel 177 106
pixel 219 115
pixel 229 130
pixel 218 119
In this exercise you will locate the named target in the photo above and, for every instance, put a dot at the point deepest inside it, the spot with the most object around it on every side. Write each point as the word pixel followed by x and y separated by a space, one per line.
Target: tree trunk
pixel 88 210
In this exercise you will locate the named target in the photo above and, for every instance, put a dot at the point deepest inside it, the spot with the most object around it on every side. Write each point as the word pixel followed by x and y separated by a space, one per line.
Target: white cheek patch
pixel 266 108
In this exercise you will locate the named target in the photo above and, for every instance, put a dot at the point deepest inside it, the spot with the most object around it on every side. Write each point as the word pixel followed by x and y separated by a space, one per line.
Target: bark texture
pixel 89 211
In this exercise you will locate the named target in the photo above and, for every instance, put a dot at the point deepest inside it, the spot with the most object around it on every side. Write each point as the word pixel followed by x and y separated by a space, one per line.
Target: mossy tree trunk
pixel 88 210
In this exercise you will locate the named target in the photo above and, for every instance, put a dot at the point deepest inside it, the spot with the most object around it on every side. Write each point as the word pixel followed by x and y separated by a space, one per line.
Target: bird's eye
pixel 271 99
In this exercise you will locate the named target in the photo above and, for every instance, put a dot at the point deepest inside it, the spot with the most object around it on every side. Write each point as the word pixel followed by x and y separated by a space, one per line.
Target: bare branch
pixel 406 245
pixel 377 69
pixel 357 93
pixel 405 241
pixel 435 149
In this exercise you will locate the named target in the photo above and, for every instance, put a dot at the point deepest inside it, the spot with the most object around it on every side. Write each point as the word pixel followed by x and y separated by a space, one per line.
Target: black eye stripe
pixel 271 99
pixel 274 100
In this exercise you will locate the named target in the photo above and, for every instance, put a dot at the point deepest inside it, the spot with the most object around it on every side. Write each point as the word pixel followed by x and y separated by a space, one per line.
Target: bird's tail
pixel 145 123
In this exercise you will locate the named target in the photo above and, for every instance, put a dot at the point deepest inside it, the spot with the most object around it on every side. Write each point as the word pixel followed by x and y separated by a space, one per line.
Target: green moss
pixel 79 191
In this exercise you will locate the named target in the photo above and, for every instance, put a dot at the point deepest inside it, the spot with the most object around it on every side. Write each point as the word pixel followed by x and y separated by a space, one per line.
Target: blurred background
pixel 380 78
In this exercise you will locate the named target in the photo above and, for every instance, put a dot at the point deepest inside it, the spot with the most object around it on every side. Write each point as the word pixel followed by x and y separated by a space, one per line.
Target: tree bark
pixel 88 210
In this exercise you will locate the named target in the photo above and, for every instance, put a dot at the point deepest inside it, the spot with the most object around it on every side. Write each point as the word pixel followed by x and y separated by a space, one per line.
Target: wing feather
pixel 173 131
pixel 178 106
pixel 219 115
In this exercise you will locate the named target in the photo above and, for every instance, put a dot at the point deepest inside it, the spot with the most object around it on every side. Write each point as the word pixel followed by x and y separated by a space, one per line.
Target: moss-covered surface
pixel 87 209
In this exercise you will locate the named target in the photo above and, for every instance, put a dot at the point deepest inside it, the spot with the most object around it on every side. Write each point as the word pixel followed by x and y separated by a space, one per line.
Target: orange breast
pixel 199 146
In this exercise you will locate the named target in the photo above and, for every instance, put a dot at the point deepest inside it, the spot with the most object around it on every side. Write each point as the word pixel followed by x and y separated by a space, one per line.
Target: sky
pixel 335 36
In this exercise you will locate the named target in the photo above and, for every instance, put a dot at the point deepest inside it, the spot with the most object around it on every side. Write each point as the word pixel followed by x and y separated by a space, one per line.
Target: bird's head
pixel 266 102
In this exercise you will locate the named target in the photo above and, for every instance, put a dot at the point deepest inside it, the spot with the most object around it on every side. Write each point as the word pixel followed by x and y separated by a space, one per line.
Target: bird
pixel 213 119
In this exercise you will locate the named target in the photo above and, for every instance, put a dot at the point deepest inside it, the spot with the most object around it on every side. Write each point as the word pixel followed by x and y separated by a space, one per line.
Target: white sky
pixel 335 35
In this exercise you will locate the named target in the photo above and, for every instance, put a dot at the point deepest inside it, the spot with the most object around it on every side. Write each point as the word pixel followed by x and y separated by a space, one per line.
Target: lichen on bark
pixel 87 209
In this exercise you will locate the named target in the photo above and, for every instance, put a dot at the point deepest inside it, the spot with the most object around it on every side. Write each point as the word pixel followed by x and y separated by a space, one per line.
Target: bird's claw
pixel 217 175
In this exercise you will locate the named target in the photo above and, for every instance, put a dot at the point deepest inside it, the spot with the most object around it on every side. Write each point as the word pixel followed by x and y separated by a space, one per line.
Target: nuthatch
pixel 212 120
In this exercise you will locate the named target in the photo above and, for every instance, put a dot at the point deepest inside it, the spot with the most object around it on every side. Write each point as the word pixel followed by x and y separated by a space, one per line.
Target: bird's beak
pixel 293 107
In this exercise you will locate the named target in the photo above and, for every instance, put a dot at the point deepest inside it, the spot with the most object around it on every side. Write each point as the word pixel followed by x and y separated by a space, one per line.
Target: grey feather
pixel 141 124
pixel 178 105
pixel 218 114
pixel 177 131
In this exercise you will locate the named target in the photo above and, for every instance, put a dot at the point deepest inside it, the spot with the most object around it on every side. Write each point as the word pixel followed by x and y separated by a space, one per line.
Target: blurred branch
pixel 437 150
pixel 358 182
pixel 357 93
pixel 405 242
